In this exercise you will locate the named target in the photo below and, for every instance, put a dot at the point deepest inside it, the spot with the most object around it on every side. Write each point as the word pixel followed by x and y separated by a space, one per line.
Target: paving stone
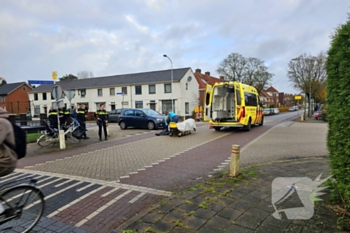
pixel 267 228
pixel 152 217
pixel 237 195
pixel 175 215
pixel 215 206
pixel 210 229
pixel 292 228
pixel 139 226
pixel 248 221
pixel 181 230
pixel 226 200
pixel 165 208
pixel 230 213
pixel 188 207
pixel 256 213
pixel 193 222
pixel 163 225
pixel 240 205
pixel 219 222
pixel 198 200
pixel 204 213
pixel 265 206
pixel 239 229
pixel 249 199
pixel 245 190
pixel 259 194
pixel 279 223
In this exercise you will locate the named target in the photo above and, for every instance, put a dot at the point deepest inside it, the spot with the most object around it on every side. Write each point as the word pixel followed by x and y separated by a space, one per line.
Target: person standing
pixel 61 116
pixel 102 120
pixel 53 118
pixel 81 116
pixel 75 116
pixel 172 116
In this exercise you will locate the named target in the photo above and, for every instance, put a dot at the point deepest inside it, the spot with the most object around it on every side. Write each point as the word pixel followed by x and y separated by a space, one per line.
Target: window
pixel 44 96
pixel 82 93
pixel 138 90
pixel 167 88
pixel 250 99
pixel 151 89
pixel 139 113
pixel 3 99
pixel 36 110
pixel 111 91
pixel 138 104
pixel 36 97
pixel 186 86
pixel 124 90
pixel 129 113
pixel 24 88
pixel 166 105
pixel 99 92
pixel 187 108
pixel 238 95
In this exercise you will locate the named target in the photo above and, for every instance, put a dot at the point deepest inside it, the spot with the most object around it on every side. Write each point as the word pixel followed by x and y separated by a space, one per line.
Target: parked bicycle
pixel 50 136
pixel 23 204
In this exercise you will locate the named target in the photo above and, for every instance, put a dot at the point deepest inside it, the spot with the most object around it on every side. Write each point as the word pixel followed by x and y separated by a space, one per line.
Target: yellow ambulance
pixel 232 104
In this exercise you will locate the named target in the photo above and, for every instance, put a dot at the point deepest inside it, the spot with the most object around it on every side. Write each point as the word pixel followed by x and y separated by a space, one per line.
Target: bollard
pixel 107 129
pixel 62 140
pixel 302 117
pixel 234 165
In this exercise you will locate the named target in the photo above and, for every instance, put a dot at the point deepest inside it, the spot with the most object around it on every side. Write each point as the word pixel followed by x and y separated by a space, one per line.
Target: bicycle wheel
pixel 24 205
pixel 72 138
pixel 46 140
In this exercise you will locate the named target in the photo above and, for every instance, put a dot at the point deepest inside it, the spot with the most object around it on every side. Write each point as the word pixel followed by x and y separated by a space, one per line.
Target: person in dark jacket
pixel 102 120
pixel 61 116
pixel 53 118
pixel 81 116
pixel 75 116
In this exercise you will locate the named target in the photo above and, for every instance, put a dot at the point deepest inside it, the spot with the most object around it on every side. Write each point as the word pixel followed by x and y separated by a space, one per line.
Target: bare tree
pixel 251 71
pixel 85 74
pixel 307 73
pixel 2 81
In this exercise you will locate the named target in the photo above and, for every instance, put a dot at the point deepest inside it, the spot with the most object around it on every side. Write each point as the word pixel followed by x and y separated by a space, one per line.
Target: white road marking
pixel 109 192
pixel 136 198
pixel 85 187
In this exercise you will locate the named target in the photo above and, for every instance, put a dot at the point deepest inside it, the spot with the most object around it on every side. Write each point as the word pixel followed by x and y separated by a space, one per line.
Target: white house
pixel 140 90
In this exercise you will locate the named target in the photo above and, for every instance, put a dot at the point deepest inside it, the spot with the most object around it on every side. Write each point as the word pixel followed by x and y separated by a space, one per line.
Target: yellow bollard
pixel 302 117
pixel 234 165
pixel 62 140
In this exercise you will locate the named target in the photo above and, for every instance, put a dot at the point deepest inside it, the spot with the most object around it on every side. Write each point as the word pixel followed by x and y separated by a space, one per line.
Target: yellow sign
pixel 54 75
pixel 298 97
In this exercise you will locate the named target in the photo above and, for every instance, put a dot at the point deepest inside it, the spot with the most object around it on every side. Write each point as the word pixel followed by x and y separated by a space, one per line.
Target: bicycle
pixel 51 136
pixel 23 204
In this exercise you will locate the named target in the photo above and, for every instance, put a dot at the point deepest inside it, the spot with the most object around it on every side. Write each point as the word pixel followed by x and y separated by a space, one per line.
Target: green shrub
pixel 338 111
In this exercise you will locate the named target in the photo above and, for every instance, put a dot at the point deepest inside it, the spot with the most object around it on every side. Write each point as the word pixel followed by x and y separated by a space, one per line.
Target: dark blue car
pixel 140 118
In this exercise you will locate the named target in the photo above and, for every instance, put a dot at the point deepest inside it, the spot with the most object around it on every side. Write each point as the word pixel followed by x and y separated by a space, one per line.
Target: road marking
pixel 53 181
pixel 85 187
pixel 99 182
pixel 109 192
pixel 12 176
pixel 73 202
pixel 136 198
pixel 102 208
pixel 63 183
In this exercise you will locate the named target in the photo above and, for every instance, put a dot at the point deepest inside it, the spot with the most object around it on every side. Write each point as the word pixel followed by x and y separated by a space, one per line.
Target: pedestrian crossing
pixel 80 201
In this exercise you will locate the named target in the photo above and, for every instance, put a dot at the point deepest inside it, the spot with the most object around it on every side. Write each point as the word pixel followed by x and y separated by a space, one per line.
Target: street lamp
pixel 171 85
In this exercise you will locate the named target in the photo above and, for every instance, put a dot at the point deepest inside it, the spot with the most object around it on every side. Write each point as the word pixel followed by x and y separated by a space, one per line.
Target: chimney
pixel 198 70
pixel 207 73
pixel 222 78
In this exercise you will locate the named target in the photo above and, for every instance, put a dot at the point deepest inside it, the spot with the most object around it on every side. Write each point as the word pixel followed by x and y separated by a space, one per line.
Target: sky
pixel 119 37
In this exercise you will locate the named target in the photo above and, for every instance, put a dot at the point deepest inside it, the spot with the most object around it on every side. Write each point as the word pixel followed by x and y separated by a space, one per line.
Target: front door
pixel 152 106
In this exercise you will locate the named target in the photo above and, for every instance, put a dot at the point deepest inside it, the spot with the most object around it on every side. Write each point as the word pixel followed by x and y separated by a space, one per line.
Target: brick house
pixel 203 80
pixel 274 94
pixel 14 97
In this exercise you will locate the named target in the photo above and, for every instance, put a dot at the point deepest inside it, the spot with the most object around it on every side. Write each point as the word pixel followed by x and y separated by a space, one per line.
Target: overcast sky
pixel 120 37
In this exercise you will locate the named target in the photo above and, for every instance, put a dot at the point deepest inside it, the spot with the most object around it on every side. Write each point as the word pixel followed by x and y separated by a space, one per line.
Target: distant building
pixel 14 97
pixel 138 90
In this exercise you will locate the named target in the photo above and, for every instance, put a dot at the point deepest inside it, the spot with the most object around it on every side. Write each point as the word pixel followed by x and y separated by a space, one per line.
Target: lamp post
pixel 171 85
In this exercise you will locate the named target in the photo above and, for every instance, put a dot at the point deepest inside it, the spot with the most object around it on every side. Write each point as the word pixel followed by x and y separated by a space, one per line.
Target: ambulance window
pixel 250 99
pixel 207 99
pixel 238 94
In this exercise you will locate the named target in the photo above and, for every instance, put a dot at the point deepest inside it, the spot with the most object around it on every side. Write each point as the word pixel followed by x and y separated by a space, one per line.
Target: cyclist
pixel 8 157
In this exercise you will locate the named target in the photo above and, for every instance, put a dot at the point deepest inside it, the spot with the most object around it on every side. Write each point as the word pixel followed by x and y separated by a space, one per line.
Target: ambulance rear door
pixel 207 102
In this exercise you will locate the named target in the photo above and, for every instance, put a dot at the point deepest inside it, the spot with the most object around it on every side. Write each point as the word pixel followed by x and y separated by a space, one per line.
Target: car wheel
pixel 151 125
pixel 249 126
pixel 217 128
pixel 122 125
pixel 262 122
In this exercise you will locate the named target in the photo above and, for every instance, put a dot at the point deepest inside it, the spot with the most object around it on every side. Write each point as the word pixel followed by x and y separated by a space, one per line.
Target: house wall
pixel 180 95
pixel 17 101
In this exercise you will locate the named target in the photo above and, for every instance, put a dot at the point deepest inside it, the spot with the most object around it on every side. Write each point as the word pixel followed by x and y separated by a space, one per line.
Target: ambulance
pixel 232 104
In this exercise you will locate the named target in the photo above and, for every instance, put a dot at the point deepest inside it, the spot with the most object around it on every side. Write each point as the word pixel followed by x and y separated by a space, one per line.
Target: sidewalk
pixel 243 204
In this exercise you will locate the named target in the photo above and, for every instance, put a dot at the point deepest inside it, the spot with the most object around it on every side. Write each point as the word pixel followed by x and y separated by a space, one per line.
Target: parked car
pixel 141 118
pixel 294 108
pixel 275 111
pixel 267 111
pixel 113 116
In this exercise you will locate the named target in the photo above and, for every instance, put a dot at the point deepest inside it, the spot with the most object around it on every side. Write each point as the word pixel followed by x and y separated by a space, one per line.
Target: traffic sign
pixel 57 92
pixel 298 97
pixel 39 82
pixel 58 104
pixel 70 94
pixel 54 75
pixel 120 93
